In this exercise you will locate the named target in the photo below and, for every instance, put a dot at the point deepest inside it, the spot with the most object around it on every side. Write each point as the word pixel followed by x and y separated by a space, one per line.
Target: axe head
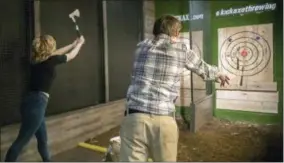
pixel 74 13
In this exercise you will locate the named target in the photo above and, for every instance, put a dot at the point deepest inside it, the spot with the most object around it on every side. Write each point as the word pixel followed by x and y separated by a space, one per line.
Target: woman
pixel 45 58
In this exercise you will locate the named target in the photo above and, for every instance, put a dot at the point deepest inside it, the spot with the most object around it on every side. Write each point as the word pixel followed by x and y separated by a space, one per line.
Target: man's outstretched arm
pixel 195 64
pixel 205 71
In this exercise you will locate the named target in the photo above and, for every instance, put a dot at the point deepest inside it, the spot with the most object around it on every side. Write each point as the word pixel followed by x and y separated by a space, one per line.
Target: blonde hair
pixel 42 48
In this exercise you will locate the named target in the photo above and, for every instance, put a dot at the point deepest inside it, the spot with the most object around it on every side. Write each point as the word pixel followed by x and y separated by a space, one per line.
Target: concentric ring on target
pixel 245 53
pixel 249 48
pixel 195 47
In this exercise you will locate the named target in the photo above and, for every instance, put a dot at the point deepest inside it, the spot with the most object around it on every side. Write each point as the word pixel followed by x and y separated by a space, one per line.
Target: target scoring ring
pixel 238 55
pixel 245 53
pixel 195 47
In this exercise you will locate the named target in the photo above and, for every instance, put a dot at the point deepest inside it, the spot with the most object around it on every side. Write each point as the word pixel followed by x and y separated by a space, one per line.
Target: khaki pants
pixel 146 136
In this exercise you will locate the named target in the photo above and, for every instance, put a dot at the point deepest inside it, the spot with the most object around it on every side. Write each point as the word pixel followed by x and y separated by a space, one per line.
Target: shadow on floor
pixel 274 148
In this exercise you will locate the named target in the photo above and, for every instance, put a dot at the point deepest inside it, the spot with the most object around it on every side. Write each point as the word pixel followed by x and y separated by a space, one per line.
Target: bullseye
pixel 244 53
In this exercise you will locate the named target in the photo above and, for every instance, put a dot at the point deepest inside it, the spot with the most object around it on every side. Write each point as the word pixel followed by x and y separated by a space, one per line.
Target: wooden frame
pixel 37 18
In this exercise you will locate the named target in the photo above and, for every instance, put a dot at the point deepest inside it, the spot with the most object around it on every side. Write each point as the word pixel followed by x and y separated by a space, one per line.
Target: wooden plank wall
pixel 149 18
pixel 203 113
pixel 263 102
pixel 185 96
pixel 66 130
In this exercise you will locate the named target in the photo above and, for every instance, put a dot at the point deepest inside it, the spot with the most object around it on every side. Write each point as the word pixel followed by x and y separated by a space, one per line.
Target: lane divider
pixel 97 148
pixel 93 147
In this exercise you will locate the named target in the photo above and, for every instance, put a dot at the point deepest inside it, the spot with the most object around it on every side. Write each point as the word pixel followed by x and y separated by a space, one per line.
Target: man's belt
pixel 133 111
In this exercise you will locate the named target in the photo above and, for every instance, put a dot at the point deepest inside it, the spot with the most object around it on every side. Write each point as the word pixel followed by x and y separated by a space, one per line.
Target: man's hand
pixel 223 79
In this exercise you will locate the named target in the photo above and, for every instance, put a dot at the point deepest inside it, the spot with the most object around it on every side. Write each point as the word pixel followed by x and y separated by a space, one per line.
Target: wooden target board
pixel 246 56
pixel 199 85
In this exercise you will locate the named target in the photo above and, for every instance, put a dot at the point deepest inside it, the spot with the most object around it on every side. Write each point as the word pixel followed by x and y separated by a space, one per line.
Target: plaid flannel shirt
pixel 158 66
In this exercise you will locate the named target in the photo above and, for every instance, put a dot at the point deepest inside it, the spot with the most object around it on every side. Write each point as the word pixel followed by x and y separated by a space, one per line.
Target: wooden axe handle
pixel 77 29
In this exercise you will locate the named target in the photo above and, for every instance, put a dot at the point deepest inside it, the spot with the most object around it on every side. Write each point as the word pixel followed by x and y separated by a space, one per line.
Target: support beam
pixel 106 58
pixel 37 18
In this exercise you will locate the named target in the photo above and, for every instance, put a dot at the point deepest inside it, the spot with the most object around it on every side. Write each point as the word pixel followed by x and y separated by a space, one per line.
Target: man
pixel 149 128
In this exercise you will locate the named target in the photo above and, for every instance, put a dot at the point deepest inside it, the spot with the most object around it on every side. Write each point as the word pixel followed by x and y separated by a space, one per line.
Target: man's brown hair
pixel 166 24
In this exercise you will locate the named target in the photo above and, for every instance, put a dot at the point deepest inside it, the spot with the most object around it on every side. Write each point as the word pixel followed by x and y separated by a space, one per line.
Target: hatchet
pixel 75 13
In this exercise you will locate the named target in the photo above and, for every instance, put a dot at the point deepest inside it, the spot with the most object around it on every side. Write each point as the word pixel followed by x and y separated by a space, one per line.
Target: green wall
pixel 173 7
pixel 210 27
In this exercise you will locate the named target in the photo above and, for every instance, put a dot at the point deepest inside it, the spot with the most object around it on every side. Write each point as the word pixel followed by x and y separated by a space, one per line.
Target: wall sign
pixel 188 17
pixel 246 9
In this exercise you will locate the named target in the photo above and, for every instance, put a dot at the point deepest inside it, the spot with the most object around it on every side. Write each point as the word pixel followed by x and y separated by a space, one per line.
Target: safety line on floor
pixel 97 148
pixel 93 147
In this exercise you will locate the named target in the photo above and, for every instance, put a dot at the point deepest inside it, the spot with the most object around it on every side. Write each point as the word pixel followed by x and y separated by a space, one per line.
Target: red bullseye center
pixel 244 53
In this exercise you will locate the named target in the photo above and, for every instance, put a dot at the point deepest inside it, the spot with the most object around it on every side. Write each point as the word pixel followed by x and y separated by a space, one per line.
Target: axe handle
pixel 78 33
pixel 77 29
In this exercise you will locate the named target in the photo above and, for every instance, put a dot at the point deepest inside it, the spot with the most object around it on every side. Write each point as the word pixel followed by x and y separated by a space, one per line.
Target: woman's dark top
pixel 43 73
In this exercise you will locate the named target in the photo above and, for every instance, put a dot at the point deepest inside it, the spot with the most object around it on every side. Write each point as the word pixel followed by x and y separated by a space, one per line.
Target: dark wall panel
pixel 124 31
pixel 14 56
pixel 79 83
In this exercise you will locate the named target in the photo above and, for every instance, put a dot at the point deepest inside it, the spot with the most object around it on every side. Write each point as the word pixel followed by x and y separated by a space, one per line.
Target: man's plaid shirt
pixel 158 66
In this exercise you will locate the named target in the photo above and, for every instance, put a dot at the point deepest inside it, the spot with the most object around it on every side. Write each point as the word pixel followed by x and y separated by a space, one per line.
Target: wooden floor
pixel 78 154
pixel 66 130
